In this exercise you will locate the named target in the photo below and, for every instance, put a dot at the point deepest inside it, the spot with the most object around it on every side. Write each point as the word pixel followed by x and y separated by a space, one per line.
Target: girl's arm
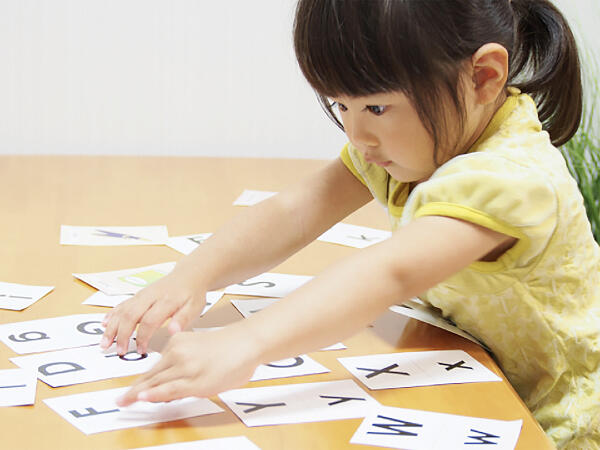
pixel 337 304
pixel 251 243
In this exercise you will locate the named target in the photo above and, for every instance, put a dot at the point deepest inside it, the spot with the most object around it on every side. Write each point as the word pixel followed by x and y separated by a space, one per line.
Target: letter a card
pixel 409 369
pixel 298 403
pixel 411 429
pixel 17 387
pixel 44 335
pixel 95 412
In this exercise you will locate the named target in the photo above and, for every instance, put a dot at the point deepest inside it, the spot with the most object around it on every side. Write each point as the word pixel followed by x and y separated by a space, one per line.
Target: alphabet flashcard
pixel 251 197
pixel 187 244
pixel 299 403
pixel 101 299
pixel 101 235
pixel 95 412
pixel 354 235
pixel 56 333
pixel 417 309
pixel 290 367
pixel 127 281
pixel 409 369
pixel 226 443
pixel 19 296
pixel 268 285
pixel 411 429
pixel 249 306
pixel 86 364
pixel 17 387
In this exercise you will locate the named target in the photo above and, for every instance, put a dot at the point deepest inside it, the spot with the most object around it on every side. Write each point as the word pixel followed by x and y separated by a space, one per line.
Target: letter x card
pixel 411 429
pixel 409 369
pixel 354 235
pixel 95 412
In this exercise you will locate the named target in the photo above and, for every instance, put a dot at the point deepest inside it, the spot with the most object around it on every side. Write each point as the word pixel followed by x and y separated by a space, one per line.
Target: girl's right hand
pixel 174 296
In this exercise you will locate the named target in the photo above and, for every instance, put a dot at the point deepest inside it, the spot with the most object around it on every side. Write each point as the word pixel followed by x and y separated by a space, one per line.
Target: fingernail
pixel 143 396
pixel 174 327
pixel 120 400
pixel 104 343
pixel 120 350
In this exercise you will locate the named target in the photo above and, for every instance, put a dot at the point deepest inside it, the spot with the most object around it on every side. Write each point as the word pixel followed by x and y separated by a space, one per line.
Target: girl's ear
pixel 490 72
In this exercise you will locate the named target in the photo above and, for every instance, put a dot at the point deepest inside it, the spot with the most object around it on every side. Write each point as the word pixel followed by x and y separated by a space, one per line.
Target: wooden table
pixel 192 195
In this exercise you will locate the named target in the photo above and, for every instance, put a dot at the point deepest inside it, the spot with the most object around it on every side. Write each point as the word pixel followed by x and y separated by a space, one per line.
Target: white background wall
pixel 161 77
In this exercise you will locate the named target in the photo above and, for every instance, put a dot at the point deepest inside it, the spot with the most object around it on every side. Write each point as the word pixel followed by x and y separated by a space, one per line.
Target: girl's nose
pixel 360 135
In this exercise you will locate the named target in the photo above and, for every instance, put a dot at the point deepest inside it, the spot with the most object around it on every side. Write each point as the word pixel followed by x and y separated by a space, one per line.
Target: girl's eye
pixel 376 109
pixel 340 106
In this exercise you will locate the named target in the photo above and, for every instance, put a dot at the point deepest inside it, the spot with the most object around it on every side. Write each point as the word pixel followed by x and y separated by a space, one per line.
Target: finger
pixel 150 322
pixel 128 319
pixel 148 381
pixel 166 392
pixel 181 319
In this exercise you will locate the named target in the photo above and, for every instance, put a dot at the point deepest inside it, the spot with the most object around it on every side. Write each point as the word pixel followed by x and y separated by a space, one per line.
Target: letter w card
pixel 411 429
pixel 409 369
pixel 44 335
pixel 86 364
pixel 94 412
pixel 298 403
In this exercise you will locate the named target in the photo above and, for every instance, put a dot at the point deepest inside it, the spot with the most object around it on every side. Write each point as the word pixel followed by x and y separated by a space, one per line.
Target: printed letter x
pixel 388 369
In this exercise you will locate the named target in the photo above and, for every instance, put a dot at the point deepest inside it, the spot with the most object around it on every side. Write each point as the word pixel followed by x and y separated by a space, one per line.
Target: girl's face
pixel 387 130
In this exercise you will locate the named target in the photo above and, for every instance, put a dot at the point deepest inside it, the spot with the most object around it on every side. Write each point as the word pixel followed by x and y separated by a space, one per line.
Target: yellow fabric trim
pixel 498 118
pixel 349 164
pixel 485 220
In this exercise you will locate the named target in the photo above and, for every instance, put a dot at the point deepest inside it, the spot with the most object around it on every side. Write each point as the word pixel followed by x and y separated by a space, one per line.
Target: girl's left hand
pixel 199 364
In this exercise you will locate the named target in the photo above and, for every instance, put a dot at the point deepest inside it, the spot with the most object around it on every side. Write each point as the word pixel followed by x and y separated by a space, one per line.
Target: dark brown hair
pixel 418 47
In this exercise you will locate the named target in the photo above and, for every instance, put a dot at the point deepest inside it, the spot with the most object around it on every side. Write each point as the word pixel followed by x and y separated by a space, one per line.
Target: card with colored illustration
pixel 411 429
pixel 17 387
pixel 187 244
pixel 354 235
pixel 299 403
pixel 95 412
pixel 269 284
pixel 127 281
pixel 111 235
pixel 101 299
pixel 251 197
pixel 409 369
pixel 55 333
pixel 86 364
pixel 17 297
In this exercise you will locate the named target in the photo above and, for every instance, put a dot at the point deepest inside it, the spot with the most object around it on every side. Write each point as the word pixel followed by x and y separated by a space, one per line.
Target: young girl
pixel 437 101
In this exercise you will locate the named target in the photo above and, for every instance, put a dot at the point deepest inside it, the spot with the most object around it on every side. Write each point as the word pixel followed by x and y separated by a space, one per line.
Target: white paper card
pixel 56 333
pixel 298 403
pixel 249 306
pixel 95 412
pixel 354 235
pixel 409 369
pixel 19 296
pixel 101 299
pixel 127 281
pixel 86 364
pixel 269 284
pixel 227 443
pixel 17 387
pixel 251 197
pixel 417 309
pixel 290 367
pixel 149 235
pixel 188 243
pixel 423 430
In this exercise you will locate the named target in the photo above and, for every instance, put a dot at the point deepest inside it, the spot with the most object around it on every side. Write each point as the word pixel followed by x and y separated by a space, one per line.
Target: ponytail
pixel 544 63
